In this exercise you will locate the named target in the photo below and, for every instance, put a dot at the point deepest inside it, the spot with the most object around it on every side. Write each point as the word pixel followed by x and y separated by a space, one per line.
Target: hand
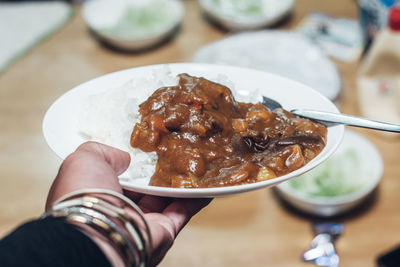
pixel 94 165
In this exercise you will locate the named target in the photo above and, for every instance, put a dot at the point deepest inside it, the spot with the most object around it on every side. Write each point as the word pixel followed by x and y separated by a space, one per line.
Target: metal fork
pixel 335 118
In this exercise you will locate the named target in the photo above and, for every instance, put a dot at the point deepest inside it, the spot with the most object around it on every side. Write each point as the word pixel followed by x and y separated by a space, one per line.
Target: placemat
pixel 24 24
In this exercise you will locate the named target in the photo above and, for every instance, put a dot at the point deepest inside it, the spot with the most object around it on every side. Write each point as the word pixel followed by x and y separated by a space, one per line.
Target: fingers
pixel 181 210
pixel 153 203
pixel 166 225
pixel 163 236
pixel 134 196
pixel 148 203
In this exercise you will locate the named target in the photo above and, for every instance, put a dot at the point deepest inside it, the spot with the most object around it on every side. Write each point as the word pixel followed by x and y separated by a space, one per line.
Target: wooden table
pixel 251 229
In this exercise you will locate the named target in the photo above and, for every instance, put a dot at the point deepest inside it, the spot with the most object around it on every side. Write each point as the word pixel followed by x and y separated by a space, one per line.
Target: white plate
pixel 281 52
pixel 272 12
pixel 61 133
pixel 372 167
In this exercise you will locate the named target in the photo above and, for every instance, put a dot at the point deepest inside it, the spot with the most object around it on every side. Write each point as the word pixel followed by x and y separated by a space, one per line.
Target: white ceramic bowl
pixel 273 11
pixel 100 14
pixel 372 167
pixel 61 130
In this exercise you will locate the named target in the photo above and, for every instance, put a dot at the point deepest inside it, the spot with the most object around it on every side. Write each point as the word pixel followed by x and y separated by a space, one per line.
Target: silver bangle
pixel 87 205
pixel 112 211
pixel 102 224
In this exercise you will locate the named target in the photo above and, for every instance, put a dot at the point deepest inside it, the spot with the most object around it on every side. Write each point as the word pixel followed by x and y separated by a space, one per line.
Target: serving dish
pixel 130 24
pixel 284 53
pixel 61 119
pixel 246 15
pixel 365 175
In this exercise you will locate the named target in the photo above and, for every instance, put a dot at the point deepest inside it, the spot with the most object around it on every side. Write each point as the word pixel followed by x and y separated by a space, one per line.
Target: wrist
pixel 121 236
pixel 104 245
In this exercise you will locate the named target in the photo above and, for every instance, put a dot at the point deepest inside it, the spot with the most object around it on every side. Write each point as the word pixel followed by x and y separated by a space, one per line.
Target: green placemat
pixel 23 25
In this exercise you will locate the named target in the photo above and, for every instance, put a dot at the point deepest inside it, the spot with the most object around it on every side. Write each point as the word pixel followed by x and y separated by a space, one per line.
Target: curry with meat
pixel 204 138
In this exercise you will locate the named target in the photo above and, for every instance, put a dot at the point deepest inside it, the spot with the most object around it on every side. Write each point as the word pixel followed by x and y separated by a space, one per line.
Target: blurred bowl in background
pixel 339 184
pixel 285 53
pixel 133 24
pixel 240 15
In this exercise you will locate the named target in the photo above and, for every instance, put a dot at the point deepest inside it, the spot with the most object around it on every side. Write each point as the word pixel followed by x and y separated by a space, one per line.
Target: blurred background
pixel 348 50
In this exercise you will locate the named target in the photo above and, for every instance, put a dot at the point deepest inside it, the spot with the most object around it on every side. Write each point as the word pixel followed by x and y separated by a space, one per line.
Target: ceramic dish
pixel 61 120
pixel 240 15
pixel 281 52
pixel 132 24
pixel 364 169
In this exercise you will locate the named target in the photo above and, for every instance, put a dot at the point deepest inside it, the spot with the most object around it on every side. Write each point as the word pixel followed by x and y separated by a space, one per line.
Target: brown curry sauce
pixel 204 138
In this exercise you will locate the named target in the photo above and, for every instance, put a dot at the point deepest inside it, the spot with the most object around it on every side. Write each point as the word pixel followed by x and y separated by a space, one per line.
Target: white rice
pixel 109 117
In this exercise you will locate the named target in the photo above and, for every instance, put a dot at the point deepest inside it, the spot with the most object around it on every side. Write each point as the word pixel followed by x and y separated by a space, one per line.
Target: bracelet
pixel 111 221
pixel 126 201
pixel 102 224
pixel 111 210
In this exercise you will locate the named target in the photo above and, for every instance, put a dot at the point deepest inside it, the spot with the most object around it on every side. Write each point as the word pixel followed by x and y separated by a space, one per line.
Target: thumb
pixel 117 159
pixel 92 165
